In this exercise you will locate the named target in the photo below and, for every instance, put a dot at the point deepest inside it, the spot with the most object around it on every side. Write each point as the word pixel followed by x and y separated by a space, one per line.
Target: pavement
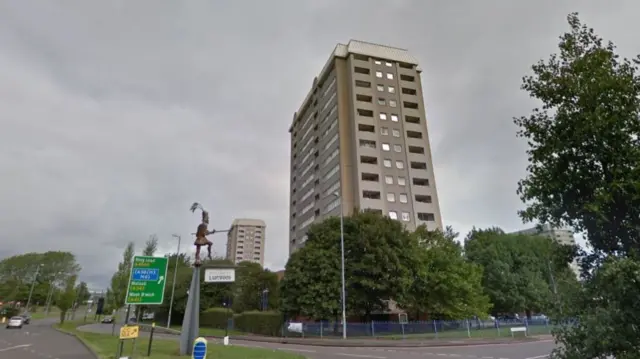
pixel 39 340
pixel 537 349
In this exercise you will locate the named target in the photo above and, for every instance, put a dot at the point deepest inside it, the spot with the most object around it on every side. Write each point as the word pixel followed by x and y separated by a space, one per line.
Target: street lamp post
pixel 33 284
pixel 175 272
pixel 265 299
pixel 50 295
pixel 344 294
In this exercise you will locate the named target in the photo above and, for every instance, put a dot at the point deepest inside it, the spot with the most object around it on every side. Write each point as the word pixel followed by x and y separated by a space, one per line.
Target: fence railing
pixel 436 329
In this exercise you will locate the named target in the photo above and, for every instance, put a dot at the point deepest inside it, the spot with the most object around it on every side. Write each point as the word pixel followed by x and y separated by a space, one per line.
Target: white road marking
pixel 539 357
pixel 360 356
pixel 15 347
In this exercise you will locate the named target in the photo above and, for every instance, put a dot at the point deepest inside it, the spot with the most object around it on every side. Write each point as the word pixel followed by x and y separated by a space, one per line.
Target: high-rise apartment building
pixel 561 235
pixel 246 241
pixel 360 140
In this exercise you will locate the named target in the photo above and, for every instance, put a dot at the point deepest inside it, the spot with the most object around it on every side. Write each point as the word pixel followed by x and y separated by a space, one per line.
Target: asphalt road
pixel 525 350
pixel 39 341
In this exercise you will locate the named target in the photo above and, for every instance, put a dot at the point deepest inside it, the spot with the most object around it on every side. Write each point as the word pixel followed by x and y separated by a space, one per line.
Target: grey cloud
pixel 115 116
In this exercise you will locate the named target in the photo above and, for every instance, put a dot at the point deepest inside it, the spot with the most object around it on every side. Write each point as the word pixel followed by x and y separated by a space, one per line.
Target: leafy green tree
pixel 151 246
pixel 213 295
pixel 251 281
pixel 118 289
pixel 518 270
pixel 377 267
pixel 18 272
pixel 82 292
pixel 67 297
pixel 183 280
pixel 584 171
pixel 311 283
pixel 446 285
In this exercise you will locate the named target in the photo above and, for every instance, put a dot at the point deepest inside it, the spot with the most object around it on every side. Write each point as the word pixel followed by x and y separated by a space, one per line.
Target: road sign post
pixel 147 281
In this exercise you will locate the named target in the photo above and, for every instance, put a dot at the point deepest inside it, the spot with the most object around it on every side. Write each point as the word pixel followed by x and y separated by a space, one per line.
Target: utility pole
pixel 50 295
pixel 344 293
pixel 33 284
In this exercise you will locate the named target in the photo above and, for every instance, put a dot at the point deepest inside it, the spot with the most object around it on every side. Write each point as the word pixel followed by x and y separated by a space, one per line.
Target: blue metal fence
pixel 468 328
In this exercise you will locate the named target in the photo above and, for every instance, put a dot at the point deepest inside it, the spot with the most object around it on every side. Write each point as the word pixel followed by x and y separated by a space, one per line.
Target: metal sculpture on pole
pixel 190 324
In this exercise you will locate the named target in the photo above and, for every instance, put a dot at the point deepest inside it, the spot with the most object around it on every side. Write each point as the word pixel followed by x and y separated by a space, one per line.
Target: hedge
pixel 215 318
pixel 261 323
pixel 9 312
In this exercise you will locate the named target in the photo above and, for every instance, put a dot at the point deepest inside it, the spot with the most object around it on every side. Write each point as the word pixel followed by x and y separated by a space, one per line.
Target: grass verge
pixel 212 332
pixel 105 345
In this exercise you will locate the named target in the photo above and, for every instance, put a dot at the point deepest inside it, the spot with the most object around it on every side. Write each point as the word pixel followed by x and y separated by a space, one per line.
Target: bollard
pixel 153 328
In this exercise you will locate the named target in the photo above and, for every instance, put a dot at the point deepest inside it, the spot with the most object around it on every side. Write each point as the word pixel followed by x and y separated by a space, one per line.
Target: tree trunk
pixel 63 315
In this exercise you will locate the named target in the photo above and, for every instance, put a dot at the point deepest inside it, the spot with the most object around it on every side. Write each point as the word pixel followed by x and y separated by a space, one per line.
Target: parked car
pixel 15 322
pixel 26 318
pixel 107 320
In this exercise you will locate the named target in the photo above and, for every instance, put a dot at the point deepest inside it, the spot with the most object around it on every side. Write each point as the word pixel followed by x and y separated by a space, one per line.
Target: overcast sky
pixel 116 115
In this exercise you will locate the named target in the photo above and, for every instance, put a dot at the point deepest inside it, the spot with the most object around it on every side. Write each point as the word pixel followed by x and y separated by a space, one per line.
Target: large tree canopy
pixel 251 281
pixel 117 292
pixel 378 257
pixel 445 285
pixel 584 155
pixel 519 271
pixel 584 171
pixel 17 273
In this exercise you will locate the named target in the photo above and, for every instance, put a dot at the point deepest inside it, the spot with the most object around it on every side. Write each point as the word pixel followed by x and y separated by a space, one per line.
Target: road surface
pixel 523 350
pixel 39 341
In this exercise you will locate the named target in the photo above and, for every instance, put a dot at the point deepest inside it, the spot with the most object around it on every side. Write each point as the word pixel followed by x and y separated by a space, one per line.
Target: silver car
pixel 15 322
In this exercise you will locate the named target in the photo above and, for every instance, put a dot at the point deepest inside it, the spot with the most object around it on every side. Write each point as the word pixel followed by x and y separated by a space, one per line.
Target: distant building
pixel 563 236
pixel 246 241
pixel 280 274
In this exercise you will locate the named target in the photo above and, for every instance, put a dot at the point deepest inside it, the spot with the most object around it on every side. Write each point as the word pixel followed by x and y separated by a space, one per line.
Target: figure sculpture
pixel 202 232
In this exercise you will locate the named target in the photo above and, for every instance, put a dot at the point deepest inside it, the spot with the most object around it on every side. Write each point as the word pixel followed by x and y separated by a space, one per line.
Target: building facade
pixel 246 241
pixel 360 140
pixel 561 235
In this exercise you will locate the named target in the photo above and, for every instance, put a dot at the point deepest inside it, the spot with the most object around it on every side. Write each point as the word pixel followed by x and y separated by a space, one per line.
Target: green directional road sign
pixel 147 280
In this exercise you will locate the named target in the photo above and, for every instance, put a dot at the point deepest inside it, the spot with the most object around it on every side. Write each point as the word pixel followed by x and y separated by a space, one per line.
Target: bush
pixel 215 318
pixel 9 312
pixel 261 323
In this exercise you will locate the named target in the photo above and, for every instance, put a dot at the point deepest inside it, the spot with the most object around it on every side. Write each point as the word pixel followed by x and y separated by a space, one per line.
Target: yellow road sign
pixel 129 332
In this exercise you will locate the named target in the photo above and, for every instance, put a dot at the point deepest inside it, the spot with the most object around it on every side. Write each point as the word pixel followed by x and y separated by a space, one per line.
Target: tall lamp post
pixel 33 284
pixel 50 295
pixel 265 299
pixel 344 294
pixel 173 286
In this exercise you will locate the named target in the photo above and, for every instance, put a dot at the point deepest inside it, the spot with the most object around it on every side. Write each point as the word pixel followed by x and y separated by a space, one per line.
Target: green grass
pixel 211 332
pixel 105 346
pixel 54 312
